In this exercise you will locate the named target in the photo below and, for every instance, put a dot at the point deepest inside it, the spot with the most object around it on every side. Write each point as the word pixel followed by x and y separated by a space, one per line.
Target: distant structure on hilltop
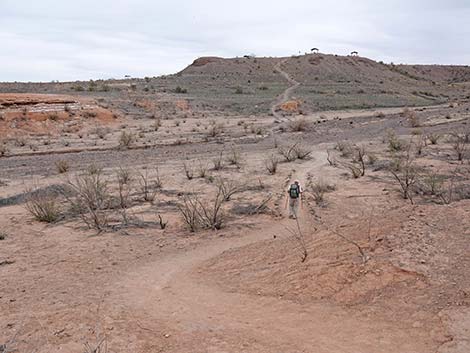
pixel 354 53
pixel 314 50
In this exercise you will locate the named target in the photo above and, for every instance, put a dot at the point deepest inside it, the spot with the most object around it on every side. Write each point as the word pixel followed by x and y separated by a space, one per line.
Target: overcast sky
pixel 44 40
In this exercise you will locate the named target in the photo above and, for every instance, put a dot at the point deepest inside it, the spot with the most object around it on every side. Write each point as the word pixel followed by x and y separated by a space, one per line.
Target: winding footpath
pixel 201 317
pixel 287 94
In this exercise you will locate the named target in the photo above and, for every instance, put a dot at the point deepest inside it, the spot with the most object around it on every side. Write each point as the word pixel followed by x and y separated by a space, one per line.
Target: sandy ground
pixel 243 288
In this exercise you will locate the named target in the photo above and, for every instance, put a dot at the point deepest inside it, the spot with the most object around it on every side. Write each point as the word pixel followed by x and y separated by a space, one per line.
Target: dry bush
pixel 331 158
pixel 202 169
pixel 394 143
pixel 433 138
pixel 406 176
pixel 90 198
pixel 360 158
pixel 62 166
pixel 199 214
pixel 229 188
pixel 124 176
pixel 301 151
pixel 371 158
pixel 188 171
pixel 411 116
pixel 292 152
pixel 271 164
pixel 432 183
pixel 42 205
pixel 345 148
pixel 234 157
pixel 148 186
pixel 319 189
pixel 460 144
pixel 218 161
pixel 298 125
pixel 215 129
pixel 126 139
pixel 420 144
pixel 125 188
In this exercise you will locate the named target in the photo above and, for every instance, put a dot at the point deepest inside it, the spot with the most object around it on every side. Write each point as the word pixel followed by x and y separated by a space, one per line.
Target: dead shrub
pixel 126 139
pixel 218 161
pixel 406 176
pixel 229 188
pixel 298 125
pixel 394 143
pixel 62 166
pixel 345 148
pixel 433 138
pixel 459 145
pixel 148 186
pixel 90 198
pixel 433 183
pixel 319 189
pixel 188 171
pixel 411 116
pixel 202 215
pixel 360 158
pixel 301 151
pixel 42 205
pixel 234 157
pixel 271 164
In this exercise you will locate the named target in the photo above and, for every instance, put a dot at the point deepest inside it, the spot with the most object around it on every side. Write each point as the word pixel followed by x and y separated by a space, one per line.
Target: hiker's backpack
pixel 294 191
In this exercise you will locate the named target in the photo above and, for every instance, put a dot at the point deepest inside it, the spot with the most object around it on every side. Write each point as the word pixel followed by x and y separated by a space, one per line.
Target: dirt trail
pixel 286 95
pixel 202 318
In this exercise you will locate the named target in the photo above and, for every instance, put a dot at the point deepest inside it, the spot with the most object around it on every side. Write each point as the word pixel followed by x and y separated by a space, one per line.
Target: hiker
pixel 295 194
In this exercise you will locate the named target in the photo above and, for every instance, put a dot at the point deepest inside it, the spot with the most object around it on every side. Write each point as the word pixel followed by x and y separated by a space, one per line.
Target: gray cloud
pixel 60 40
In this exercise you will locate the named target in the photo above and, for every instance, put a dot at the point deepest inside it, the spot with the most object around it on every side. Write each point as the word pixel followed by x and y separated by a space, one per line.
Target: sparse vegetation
pixel 271 164
pixel 42 204
pixel 90 198
pixel 126 139
pixel 62 166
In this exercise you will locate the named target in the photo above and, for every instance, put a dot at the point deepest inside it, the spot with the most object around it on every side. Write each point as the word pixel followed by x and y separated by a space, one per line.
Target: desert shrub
pixel 148 186
pixel 42 205
pixel 188 171
pixel 300 151
pixel 298 125
pixel 202 169
pixel 90 198
pixel 360 158
pixel 3 235
pixel 62 166
pixel 215 129
pixel 271 164
pixel 433 138
pixel 319 189
pixel 288 152
pixel 239 90
pixel 125 139
pixel 371 158
pixel 344 147
pixel 459 144
pixel 125 188
pixel 331 158
pixel 411 116
pixel 394 143
pixel 180 90
pixel 234 157
pixel 229 188
pixel 218 161
pixel 124 176
pixel 406 176
pixel 432 183
pixel 202 215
